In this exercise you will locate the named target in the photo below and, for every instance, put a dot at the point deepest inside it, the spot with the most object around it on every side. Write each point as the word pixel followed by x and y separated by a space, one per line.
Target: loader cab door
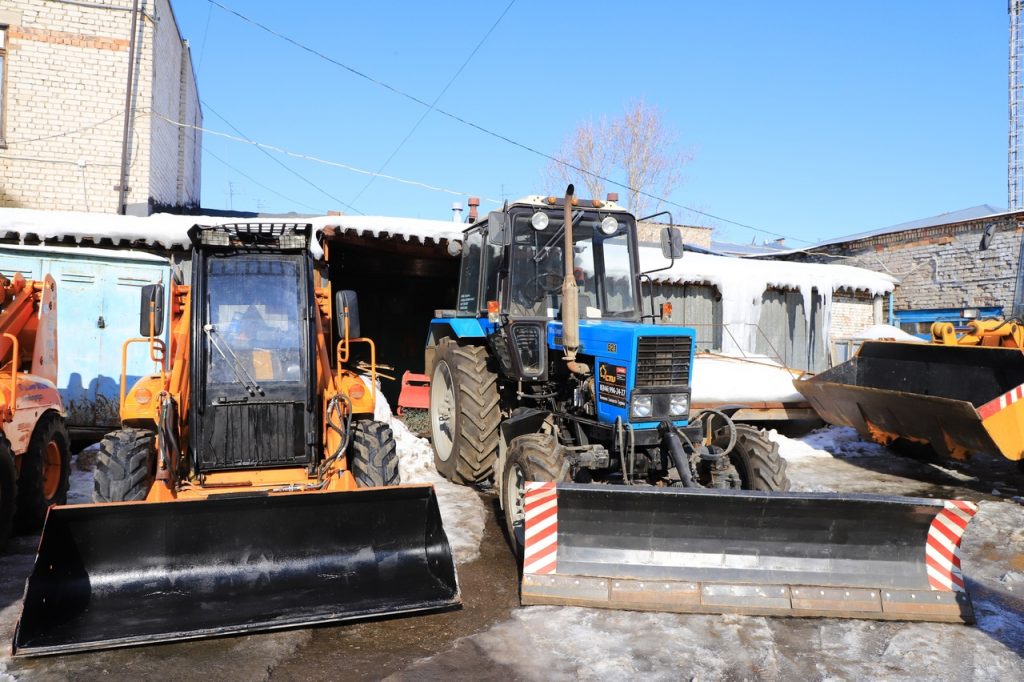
pixel 253 367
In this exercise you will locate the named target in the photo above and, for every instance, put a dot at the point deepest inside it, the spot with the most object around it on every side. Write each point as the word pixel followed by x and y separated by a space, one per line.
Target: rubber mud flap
pixel 126 574
pixel 738 551
pixel 924 392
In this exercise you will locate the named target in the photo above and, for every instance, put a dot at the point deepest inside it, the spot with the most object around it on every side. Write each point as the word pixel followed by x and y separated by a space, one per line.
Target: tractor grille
pixel 663 361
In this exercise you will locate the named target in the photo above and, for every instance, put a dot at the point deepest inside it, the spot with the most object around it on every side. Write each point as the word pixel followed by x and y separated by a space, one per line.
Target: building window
pixel 3 80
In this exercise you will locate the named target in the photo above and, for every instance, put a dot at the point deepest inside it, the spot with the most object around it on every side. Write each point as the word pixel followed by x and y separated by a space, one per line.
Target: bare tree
pixel 636 149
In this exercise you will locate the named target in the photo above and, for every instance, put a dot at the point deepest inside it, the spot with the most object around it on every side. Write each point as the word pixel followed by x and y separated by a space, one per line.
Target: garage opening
pixel 399 284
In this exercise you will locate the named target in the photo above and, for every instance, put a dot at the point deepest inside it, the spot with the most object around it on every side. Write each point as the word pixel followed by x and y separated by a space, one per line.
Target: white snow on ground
pixel 724 378
pixel 564 643
pixel 462 512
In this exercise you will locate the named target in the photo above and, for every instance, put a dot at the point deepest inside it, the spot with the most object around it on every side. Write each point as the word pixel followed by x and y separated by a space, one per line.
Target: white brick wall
pixel 65 89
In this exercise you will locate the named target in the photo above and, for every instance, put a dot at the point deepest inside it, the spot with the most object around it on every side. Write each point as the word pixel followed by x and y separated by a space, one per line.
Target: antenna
pixel 1015 175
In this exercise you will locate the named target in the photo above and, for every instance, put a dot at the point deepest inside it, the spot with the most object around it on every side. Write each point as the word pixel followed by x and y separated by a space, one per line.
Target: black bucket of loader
pixel 922 392
pixel 127 574
pixel 751 552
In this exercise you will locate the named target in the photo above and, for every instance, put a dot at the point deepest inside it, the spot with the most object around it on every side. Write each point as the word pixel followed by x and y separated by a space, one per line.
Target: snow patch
pixel 171 231
pixel 462 512
pixel 728 378
pixel 886 332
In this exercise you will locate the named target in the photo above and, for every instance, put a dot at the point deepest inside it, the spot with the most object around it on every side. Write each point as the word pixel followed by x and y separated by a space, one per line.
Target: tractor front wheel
pixel 464 413
pixel 45 470
pixel 533 457
pixel 372 455
pixel 756 458
pixel 125 466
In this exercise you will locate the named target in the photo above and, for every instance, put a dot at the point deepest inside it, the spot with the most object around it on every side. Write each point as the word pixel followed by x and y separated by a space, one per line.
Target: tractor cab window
pixel 254 328
pixel 602 267
pixel 469 282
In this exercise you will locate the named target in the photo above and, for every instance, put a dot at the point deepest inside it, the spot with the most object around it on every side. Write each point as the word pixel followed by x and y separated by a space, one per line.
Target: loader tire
pixel 464 413
pixel 125 466
pixel 533 457
pixel 756 458
pixel 45 470
pixel 372 456
pixel 8 489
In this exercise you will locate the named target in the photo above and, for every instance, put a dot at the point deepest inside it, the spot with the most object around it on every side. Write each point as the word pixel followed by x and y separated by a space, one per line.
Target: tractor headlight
pixel 539 221
pixel 609 225
pixel 642 407
pixel 678 405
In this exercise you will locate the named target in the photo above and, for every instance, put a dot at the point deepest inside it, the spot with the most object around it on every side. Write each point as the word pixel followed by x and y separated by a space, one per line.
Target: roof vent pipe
pixel 456 212
pixel 474 205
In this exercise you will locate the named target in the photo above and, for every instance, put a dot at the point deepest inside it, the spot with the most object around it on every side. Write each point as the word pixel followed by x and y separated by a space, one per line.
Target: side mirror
pixel 346 298
pixel 671 243
pixel 497 228
pixel 152 299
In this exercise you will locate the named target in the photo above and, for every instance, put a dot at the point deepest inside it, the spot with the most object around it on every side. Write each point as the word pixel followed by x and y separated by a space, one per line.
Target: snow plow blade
pixel 749 552
pixel 116 575
pixel 959 400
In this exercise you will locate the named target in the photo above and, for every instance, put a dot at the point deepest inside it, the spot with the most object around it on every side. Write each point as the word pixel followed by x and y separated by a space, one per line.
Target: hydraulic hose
pixel 670 441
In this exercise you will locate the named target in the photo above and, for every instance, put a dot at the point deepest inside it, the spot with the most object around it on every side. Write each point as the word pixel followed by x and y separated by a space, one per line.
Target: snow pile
pixel 886 332
pixel 724 378
pixel 743 281
pixel 462 512
pixel 80 481
pixel 170 231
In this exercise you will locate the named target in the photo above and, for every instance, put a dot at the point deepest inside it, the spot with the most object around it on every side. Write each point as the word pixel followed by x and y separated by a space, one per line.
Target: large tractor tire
pixel 533 457
pixel 125 466
pixel 372 455
pixel 756 458
pixel 8 489
pixel 464 413
pixel 45 471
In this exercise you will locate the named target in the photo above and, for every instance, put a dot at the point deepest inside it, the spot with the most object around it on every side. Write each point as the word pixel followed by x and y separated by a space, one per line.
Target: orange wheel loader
pixel 249 487
pixel 34 446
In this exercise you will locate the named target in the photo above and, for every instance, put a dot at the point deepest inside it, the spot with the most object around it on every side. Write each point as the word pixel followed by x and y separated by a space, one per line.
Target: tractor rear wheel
pixel 464 413
pixel 45 470
pixel 8 489
pixel 533 457
pixel 372 455
pixel 125 466
pixel 756 458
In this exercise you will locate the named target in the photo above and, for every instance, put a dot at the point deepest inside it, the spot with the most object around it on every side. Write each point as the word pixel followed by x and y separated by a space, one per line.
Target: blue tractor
pixel 556 380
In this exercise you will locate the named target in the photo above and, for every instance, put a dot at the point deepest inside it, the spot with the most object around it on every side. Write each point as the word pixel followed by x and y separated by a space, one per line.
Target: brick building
pixel 949 267
pixel 63 81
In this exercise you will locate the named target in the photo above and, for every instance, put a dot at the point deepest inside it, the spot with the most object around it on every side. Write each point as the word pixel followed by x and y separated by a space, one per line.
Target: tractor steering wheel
pixel 540 285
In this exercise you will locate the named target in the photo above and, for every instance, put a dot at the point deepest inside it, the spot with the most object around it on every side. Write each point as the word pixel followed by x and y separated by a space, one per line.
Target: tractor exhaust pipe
pixel 570 297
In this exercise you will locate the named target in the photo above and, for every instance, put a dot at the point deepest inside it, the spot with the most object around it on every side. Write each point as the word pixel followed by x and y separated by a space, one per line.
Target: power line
pixel 260 184
pixel 283 164
pixel 436 99
pixel 67 132
pixel 314 159
pixel 487 131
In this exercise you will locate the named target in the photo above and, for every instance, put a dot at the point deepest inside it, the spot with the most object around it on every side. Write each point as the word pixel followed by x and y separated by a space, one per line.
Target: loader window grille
pixel 663 361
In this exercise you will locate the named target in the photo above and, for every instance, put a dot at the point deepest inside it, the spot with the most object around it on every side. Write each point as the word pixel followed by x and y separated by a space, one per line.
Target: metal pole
pixel 122 183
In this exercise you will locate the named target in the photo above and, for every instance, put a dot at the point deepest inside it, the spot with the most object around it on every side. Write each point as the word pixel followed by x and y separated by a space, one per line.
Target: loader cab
pixel 252 371
pixel 517 258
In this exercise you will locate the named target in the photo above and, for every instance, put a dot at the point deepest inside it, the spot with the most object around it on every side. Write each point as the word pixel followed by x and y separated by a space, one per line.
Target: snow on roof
pixel 170 231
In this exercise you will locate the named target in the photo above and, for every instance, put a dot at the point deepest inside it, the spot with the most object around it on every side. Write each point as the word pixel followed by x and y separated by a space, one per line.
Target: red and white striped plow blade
pixel 540 549
pixel 942 552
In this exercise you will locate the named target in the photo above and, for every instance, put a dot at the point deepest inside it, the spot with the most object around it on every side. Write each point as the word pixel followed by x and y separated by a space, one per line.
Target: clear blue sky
pixel 806 119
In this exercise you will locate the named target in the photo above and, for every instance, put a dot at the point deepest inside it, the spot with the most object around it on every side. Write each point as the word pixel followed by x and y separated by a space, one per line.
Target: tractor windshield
pixel 253 320
pixel 602 265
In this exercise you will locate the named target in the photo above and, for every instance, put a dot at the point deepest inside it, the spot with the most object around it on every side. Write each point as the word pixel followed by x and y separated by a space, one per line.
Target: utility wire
pixel 283 164
pixel 487 131
pixel 314 159
pixel 260 184
pixel 436 99
pixel 67 132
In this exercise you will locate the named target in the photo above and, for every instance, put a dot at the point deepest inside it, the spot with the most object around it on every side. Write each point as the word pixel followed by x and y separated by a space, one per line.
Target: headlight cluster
pixel 642 406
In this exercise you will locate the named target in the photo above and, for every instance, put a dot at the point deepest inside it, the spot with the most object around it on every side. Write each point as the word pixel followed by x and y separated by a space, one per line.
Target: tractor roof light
pixel 609 225
pixel 539 221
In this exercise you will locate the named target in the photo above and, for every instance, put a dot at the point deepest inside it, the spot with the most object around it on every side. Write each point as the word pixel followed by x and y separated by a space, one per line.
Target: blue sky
pixel 805 119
